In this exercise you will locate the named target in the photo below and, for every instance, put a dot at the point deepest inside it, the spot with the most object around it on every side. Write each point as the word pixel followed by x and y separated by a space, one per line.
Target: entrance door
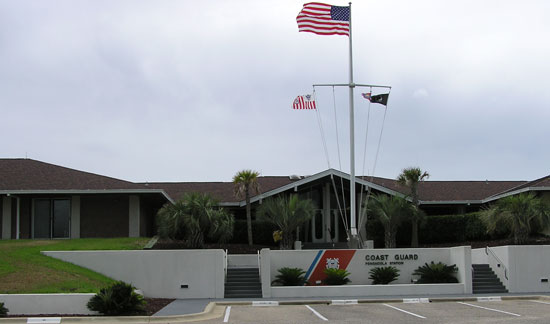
pixel 52 218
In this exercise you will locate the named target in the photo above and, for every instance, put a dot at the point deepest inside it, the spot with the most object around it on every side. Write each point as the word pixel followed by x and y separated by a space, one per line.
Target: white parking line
pixel 540 302
pixel 404 311
pixel 317 313
pixel 491 309
pixel 226 317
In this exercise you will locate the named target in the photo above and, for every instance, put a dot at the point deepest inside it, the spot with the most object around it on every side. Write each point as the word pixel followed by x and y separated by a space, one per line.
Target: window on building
pixel 52 218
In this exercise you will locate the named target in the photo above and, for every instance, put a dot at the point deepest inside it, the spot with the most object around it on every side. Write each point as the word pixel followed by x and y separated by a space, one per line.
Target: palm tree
pixel 391 211
pixel 287 214
pixel 246 181
pixel 519 214
pixel 192 218
pixel 411 177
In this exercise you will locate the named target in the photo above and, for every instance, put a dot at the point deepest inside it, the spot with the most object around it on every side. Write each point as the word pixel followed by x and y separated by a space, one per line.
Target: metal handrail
pixel 487 250
pixel 259 264
pixel 225 262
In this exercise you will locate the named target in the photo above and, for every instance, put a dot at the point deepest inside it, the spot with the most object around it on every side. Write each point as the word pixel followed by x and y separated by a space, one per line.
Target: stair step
pixel 485 281
pixel 243 283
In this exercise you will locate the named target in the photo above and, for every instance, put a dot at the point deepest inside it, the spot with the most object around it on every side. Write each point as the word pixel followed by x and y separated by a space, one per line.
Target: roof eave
pixel 328 172
pixel 515 192
pixel 86 192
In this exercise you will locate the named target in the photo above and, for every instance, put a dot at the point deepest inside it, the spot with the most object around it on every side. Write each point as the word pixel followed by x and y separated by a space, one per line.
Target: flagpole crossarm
pixel 353 85
pixel 332 85
pixel 372 86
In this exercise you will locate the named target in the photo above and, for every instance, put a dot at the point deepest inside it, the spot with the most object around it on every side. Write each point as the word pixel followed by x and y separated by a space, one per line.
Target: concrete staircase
pixel 243 276
pixel 243 283
pixel 485 281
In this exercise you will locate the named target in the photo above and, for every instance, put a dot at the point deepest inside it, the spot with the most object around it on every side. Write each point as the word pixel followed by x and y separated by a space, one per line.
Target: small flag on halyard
pixel 324 19
pixel 379 99
pixel 304 102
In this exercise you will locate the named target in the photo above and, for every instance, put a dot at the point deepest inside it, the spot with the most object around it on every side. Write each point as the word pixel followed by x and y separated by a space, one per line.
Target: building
pixel 42 200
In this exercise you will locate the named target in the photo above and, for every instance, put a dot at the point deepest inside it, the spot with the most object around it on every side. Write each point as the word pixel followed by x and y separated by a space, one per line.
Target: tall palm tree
pixel 193 218
pixel 411 177
pixel 520 214
pixel 246 181
pixel 390 211
pixel 287 214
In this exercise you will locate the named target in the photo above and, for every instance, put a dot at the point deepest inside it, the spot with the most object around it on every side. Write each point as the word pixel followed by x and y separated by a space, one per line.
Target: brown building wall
pixel 104 216
pixel 25 218
pixel 14 218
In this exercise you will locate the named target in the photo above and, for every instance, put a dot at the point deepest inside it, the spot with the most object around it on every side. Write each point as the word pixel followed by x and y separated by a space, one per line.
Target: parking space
pixel 501 312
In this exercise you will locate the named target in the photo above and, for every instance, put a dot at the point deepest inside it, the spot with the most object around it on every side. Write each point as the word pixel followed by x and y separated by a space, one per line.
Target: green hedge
pixel 262 232
pixel 436 230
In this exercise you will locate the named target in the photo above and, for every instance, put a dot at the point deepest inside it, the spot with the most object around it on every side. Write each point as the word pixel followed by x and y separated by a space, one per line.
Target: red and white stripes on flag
pixel 324 19
pixel 304 102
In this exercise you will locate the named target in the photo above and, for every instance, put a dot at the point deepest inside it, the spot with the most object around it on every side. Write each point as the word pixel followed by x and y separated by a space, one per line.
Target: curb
pixel 211 311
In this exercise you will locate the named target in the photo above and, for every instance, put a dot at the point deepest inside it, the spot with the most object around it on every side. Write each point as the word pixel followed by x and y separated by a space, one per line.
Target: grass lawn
pixel 23 269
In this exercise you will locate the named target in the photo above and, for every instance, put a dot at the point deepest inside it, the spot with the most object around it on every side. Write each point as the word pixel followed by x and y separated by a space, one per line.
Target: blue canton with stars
pixel 339 13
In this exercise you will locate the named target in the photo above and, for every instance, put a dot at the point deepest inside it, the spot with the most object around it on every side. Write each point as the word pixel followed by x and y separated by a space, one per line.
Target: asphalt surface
pixel 193 306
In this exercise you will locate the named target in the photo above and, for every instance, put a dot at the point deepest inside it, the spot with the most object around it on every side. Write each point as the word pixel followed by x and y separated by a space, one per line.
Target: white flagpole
pixel 353 223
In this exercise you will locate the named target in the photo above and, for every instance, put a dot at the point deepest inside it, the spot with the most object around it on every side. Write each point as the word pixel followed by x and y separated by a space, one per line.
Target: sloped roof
pixel 27 174
pixel 32 175
pixel 451 190
pixel 222 191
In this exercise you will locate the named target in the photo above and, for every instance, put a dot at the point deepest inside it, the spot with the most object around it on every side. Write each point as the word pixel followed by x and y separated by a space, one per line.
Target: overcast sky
pixel 197 90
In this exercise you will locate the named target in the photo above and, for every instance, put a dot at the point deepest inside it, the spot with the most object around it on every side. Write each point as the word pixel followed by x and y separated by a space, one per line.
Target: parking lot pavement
pixel 502 312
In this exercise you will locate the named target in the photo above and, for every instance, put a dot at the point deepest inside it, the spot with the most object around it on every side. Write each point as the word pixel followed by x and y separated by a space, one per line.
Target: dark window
pixel 52 218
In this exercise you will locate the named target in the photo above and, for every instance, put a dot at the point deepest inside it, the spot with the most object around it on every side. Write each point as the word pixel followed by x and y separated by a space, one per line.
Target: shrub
pixel 117 299
pixel 383 275
pixel 3 310
pixel 336 277
pixel 436 273
pixel 262 231
pixel 290 277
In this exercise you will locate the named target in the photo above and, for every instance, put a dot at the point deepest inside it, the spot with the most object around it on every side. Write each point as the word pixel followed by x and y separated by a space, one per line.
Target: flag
pixel 366 95
pixel 324 19
pixel 380 99
pixel 304 102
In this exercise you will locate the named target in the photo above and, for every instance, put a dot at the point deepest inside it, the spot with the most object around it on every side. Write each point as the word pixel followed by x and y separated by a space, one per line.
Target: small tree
pixel 290 277
pixel 411 177
pixel 117 299
pixel 3 310
pixel 193 218
pixel 519 214
pixel 383 275
pixel 391 211
pixel 287 214
pixel 246 181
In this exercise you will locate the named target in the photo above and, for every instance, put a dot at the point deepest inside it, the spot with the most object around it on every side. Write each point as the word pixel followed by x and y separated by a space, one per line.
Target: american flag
pixel 304 102
pixel 324 19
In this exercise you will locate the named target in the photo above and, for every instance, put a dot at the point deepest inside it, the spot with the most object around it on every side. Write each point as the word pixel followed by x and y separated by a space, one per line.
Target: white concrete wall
pixel 158 273
pixel 75 217
pixel 265 272
pixel 360 265
pixel 242 261
pixel 461 256
pixel 479 256
pixel 359 270
pixel 6 218
pixel 35 304
pixel 527 265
